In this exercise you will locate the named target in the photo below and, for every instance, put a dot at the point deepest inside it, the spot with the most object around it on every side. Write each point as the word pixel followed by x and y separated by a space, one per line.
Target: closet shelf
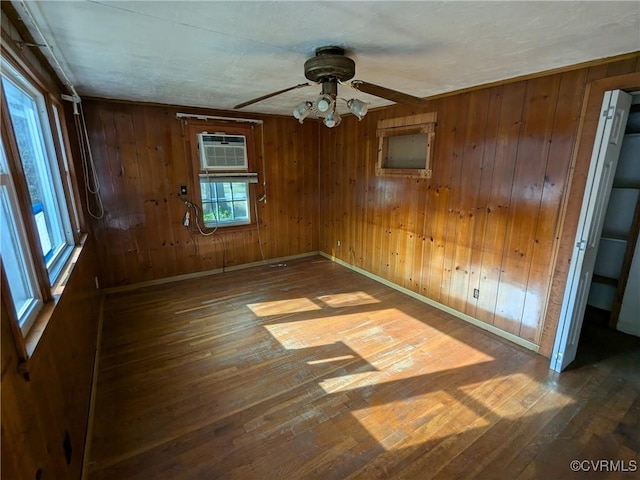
pixel 605 280
pixel 614 237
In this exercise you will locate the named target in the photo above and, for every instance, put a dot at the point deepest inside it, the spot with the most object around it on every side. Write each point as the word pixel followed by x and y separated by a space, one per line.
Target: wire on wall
pixel 197 213
pixel 91 184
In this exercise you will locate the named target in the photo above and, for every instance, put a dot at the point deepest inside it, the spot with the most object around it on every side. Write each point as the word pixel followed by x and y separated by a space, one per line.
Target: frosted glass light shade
pixel 302 111
pixel 332 120
pixel 324 105
pixel 358 107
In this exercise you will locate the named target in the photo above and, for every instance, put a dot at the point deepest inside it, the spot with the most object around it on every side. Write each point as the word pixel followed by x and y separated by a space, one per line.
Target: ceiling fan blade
pixel 269 95
pixel 387 93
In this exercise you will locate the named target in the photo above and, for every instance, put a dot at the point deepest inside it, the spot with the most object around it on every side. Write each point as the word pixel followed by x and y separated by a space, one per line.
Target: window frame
pixel 68 176
pixel 414 124
pixel 49 167
pixel 218 175
pixel 214 181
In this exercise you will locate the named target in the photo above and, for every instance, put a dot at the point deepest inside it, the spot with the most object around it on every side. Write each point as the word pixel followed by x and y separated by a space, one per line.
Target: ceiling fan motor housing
pixel 329 63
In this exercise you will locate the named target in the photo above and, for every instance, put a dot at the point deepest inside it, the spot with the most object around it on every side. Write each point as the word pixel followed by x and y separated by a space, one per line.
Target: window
pixel 223 154
pixel 224 202
pixel 37 234
pixel 17 263
pixel 37 155
pixel 405 145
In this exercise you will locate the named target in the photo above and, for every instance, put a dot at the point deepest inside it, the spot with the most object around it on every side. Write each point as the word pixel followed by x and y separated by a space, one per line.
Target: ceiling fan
pixel 328 67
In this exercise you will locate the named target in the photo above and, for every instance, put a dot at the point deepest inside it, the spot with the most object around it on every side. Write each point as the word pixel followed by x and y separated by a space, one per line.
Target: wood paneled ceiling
pixel 218 54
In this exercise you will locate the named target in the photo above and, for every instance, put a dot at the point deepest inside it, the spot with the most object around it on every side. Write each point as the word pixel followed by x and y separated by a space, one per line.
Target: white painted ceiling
pixel 218 54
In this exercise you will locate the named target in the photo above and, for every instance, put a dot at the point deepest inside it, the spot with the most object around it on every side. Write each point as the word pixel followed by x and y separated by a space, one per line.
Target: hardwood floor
pixel 310 370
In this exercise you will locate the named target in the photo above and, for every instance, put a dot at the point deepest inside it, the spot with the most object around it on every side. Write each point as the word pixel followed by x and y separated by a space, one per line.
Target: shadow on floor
pixel 598 343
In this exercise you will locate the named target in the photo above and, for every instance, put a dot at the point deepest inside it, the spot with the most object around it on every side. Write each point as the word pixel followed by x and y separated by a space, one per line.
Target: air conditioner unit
pixel 222 152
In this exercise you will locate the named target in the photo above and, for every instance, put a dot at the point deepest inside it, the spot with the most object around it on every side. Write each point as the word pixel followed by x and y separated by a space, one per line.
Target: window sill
pixel 36 332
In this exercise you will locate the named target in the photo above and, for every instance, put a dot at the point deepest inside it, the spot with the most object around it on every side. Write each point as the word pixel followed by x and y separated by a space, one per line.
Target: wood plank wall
pixel 489 217
pixel 44 420
pixel 141 161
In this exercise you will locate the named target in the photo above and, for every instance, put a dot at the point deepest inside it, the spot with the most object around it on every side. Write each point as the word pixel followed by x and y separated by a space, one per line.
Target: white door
pixel 604 159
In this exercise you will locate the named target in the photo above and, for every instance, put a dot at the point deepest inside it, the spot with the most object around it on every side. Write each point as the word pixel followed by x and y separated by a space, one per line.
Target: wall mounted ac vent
pixel 222 152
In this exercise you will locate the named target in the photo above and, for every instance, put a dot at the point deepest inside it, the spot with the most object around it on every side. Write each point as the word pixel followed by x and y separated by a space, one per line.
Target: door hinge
pixel 608 113
pixel 581 244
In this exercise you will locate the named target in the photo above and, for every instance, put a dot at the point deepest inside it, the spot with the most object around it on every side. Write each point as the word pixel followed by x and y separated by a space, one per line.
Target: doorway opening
pixel 603 285
pixel 611 322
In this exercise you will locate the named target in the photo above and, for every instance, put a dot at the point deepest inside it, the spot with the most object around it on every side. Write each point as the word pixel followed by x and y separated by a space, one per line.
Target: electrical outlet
pixel 339 243
pixel 183 189
pixel 476 293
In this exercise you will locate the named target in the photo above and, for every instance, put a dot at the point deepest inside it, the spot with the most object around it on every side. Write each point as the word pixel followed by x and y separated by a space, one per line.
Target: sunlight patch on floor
pixel 415 420
pixel 374 337
pixel 304 304
pixel 429 417
pixel 352 299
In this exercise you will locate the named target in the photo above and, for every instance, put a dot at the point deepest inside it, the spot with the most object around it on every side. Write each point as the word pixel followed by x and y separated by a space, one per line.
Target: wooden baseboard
pixel 92 397
pixel 463 316
pixel 205 273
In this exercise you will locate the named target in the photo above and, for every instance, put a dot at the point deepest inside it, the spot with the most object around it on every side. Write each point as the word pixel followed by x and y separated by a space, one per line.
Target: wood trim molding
pixel 206 273
pixel 424 123
pixel 92 395
pixel 530 76
pixel 544 73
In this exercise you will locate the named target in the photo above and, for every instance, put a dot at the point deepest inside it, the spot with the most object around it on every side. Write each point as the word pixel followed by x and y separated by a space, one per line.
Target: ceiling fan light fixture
pixel 332 120
pixel 358 107
pixel 330 67
pixel 302 111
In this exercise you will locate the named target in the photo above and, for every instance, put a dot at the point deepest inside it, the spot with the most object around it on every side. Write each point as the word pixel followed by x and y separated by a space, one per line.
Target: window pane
pixel 13 258
pixel 208 214
pixel 239 191
pixel 205 188
pixel 407 151
pixel 240 210
pixel 224 212
pixel 224 203
pixel 53 227
pixel 17 265
pixel 223 190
